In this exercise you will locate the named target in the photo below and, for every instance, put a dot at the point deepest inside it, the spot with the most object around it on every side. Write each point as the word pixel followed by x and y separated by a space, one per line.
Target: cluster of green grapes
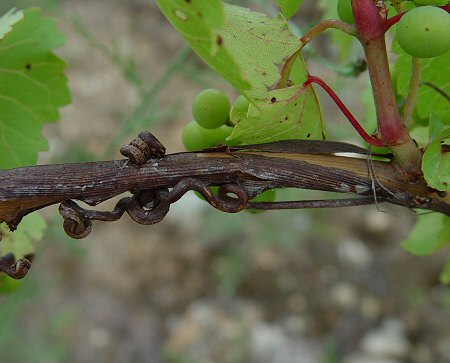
pixel 422 32
pixel 211 126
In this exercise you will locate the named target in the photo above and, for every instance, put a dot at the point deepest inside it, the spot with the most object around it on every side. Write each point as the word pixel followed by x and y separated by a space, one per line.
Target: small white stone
pixel 364 358
pixel 354 252
pixel 344 295
pixel 387 341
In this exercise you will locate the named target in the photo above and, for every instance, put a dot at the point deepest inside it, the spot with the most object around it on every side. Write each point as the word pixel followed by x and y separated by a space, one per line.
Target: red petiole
pixel 368 138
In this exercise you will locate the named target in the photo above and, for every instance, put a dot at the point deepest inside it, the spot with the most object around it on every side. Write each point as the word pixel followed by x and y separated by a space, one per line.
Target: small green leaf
pixel 8 20
pixel 426 236
pixel 20 243
pixel 288 113
pixel 421 135
pixel 289 7
pixel 32 87
pixel 436 166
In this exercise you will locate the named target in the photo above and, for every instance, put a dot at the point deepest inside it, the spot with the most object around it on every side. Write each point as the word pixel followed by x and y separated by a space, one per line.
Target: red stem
pixel 368 138
pixel 392 21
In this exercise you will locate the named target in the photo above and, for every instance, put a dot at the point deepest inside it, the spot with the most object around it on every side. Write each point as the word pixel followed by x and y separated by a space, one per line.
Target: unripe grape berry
pixel 211 108
pixel 345 12
pixel 423 32
pixel 196 137
pixel 242 103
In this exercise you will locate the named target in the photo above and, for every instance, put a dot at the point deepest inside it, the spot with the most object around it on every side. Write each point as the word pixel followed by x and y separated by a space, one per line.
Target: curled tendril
pixel 17 269
pixel 76 224
pixel 142 148
pixel 150 206
pixel 221 201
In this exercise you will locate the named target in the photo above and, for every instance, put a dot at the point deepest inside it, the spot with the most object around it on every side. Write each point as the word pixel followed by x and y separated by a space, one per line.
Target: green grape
pixel 424 32
pixel 345 12
pixel 196 137
pixel 242 103
pixel 267 196
pixel 430 2
pixel 211 108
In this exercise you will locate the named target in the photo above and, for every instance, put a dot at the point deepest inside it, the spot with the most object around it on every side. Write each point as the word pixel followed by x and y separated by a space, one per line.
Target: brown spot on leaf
pixel 219 40
pixel 273 100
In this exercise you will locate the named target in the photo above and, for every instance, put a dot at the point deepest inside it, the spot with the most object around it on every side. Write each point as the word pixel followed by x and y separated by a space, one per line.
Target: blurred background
pixel 202 286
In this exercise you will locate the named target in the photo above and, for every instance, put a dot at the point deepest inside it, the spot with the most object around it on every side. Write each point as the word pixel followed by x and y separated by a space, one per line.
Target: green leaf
pixel 32 87
pixel 247 50
pixel 20 243
pixel 436 166
pixel 289 7
pixel 260 45
pixel 426 236
pixel 8 20
pixel 288 113
pixel 192 20
pixel 435 73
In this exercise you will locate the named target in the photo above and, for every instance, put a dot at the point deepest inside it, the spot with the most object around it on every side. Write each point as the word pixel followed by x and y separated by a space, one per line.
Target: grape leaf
pixel 20 243
pixel 260 45
pixel 436 166
pixel 435 73
pixel 289 7
pixel 8 20
pixel 428 235
pixel 287 113
pixel 32 87
pixel 247 50
pixel 192 22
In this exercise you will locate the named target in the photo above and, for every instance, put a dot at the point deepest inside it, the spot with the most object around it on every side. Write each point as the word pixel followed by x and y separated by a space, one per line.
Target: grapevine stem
pixel 368 138
pixel 286 70
pixel 310 35
pixel 414 84
pixel 392 21
pixel 327 24
pixel 371 33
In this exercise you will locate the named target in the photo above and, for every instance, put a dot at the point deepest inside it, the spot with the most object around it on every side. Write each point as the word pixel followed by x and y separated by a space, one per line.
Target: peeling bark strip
pixel 244 171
